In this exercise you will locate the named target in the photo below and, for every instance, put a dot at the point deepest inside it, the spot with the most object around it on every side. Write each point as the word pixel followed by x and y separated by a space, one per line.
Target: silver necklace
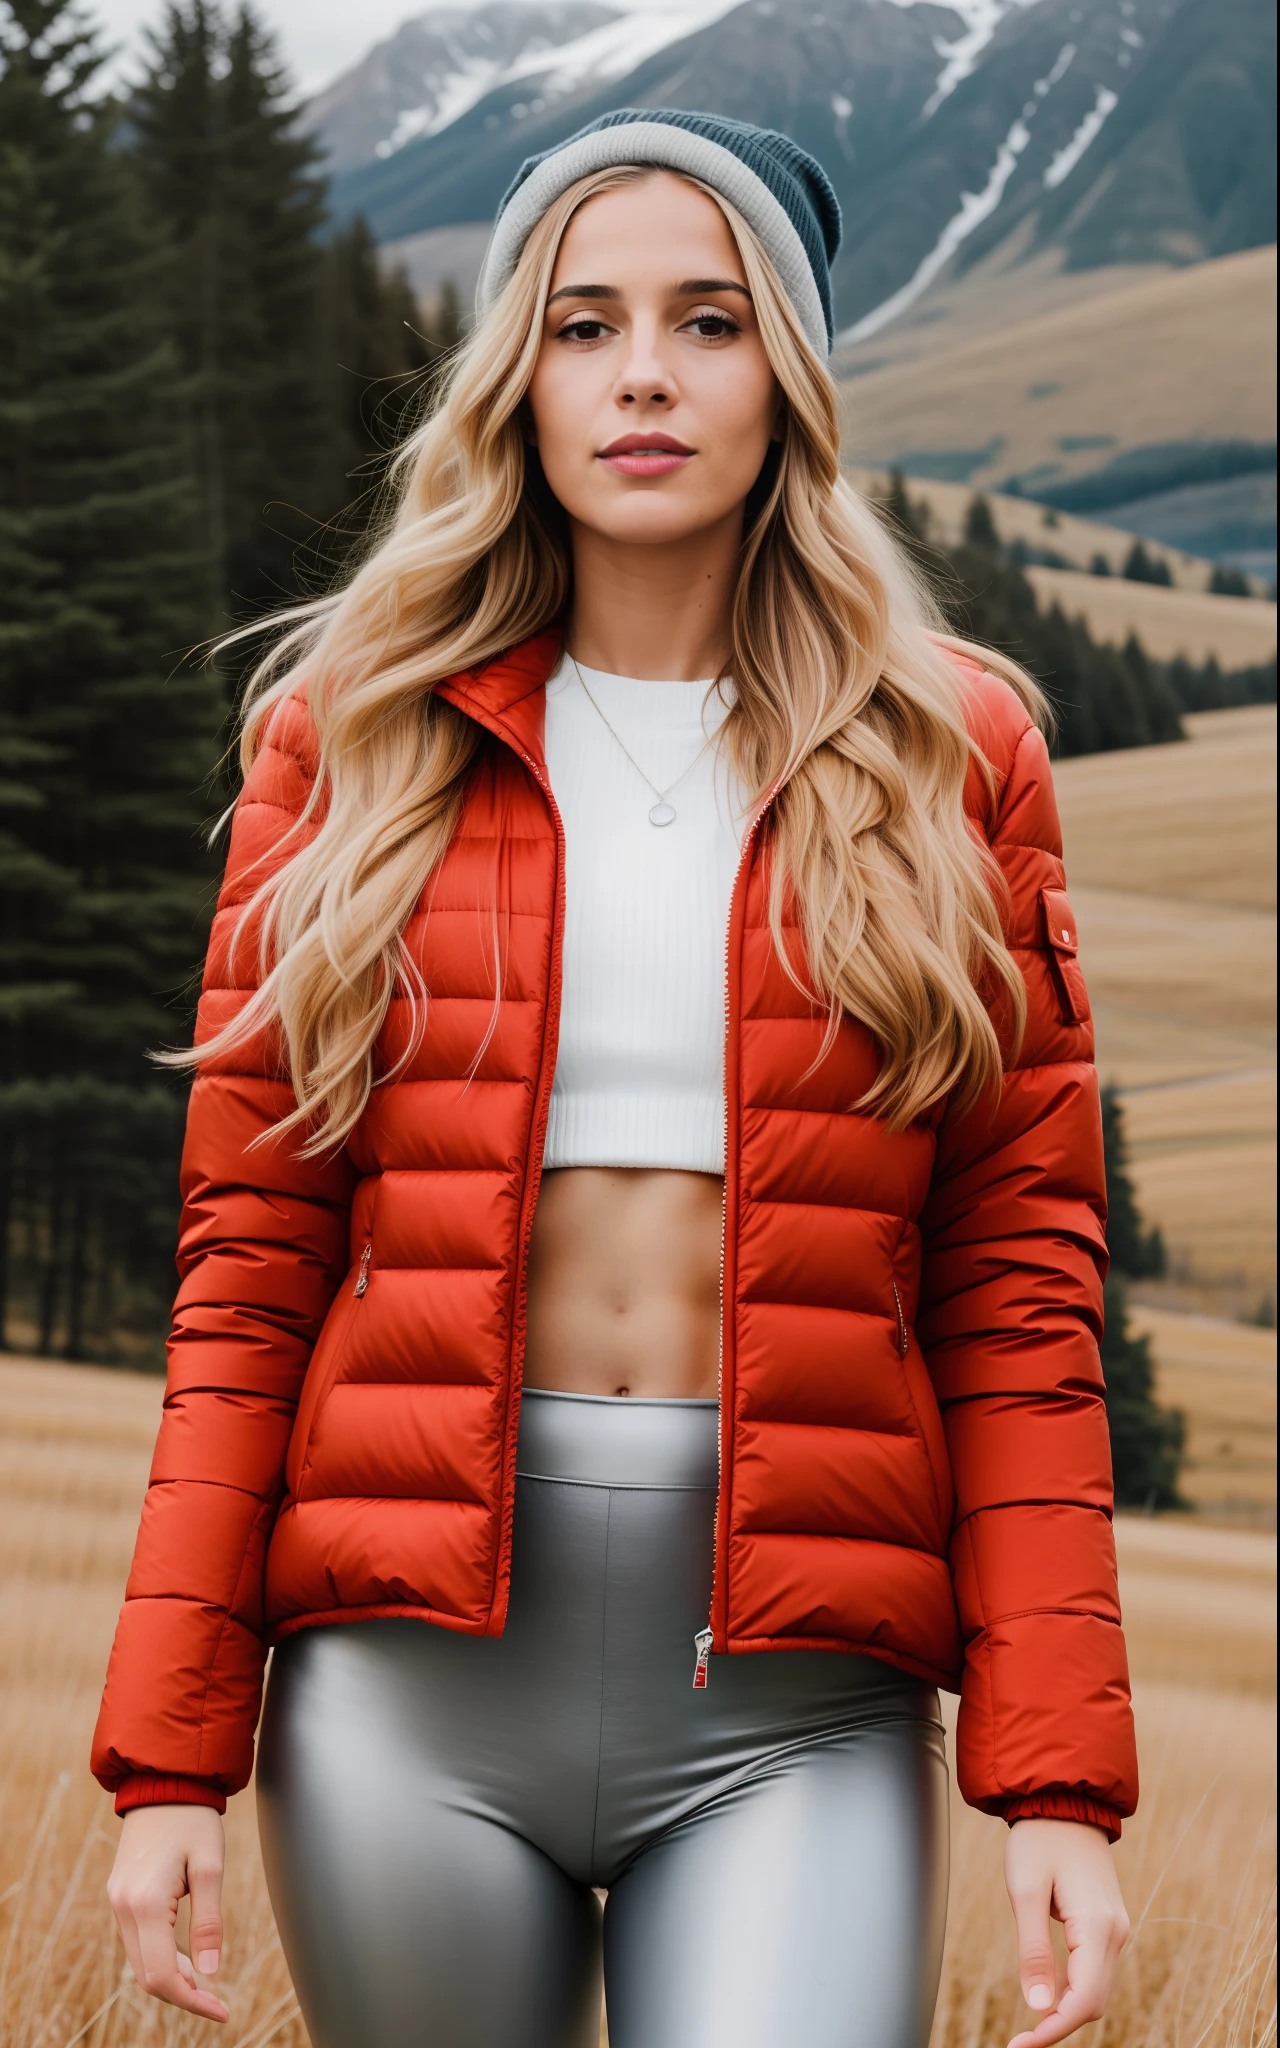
pixel 661 813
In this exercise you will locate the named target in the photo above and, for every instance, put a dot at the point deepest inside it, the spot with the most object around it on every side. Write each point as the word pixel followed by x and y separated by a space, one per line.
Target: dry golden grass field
pixel 1197 1862
pixel 1171 864
pixel 1170 356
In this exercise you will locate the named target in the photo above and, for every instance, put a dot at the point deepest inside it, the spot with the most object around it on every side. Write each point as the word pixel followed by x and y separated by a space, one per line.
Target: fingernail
pixel 207 1961
pixel 1039 1997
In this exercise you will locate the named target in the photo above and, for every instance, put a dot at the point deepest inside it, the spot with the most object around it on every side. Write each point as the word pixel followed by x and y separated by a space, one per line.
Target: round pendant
pixel 662 814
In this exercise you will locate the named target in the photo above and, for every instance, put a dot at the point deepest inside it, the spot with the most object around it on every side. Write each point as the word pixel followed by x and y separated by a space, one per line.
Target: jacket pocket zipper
pixel 362 1277
pixel 902 1321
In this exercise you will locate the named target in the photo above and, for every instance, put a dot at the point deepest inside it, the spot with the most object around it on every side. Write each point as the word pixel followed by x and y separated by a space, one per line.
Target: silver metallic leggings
pixel 436 1809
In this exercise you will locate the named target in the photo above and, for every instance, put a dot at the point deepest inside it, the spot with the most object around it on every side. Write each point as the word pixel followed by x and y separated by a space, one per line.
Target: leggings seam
pixel 604 1656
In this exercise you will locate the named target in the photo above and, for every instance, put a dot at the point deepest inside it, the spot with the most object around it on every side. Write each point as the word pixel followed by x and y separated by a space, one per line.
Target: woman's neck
pixel 659 612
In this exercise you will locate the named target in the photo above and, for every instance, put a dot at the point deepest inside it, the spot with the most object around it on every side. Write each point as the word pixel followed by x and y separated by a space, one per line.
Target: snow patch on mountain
pixel 974 208
pixel 981 19
pixel 1070 154
pixel 609 51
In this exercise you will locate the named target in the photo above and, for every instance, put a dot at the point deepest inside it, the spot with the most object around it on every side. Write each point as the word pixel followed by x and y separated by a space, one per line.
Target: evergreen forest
pixel 1103 697
pixel 198 380
pixel 201 373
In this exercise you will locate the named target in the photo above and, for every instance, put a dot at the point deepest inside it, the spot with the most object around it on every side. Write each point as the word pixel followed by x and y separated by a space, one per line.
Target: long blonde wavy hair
pixel 845 705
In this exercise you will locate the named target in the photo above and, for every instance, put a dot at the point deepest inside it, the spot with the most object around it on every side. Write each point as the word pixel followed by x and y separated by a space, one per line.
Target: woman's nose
pixel 645 378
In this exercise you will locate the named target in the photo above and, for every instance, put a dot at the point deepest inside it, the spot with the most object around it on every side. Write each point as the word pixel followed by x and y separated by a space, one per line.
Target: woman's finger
pixel 1093 1948
pixel 204 1883
pixel 1031 1898
pixel 161 1974
pixel 128 1935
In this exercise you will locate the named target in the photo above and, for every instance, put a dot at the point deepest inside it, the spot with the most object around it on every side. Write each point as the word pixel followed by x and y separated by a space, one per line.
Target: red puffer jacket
pixel 915 1458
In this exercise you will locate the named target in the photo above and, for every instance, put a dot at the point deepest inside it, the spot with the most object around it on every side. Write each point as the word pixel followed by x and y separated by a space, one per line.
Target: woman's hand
pixel 167 1853
pixel 1063 1869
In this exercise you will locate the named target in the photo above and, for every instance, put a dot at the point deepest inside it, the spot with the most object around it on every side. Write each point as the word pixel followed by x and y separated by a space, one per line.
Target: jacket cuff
pixel 1064 1806
pixel 152 1789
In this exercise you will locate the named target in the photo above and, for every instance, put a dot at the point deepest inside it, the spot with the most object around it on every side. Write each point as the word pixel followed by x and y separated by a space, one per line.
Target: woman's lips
pixel 645 455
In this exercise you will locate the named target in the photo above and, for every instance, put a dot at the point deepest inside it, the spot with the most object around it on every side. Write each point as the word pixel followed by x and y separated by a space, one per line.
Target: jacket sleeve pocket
pixel 1063 940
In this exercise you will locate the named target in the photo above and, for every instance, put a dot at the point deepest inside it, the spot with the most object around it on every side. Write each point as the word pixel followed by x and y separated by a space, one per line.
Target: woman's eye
pixel 583 330
pixel 712 326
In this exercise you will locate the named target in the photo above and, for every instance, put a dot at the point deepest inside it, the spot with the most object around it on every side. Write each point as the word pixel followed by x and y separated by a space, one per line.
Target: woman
pixel 795 1249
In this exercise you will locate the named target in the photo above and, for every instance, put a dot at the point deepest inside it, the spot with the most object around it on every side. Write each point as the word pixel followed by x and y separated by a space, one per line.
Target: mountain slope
pixel 436 66
pixel 1187 167
pixel 1178 358
pixel 762 62
pixel 1133 132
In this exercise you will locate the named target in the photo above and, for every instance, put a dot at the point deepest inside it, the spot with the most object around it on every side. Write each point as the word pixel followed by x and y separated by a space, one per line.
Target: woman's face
pixel 653 401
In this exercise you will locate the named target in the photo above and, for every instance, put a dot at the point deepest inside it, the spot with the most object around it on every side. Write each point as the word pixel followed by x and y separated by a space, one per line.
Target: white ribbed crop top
pixel 639 1075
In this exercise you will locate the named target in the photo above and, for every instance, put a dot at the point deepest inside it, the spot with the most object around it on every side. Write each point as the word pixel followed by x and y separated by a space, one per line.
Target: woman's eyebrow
pixel 694 287
pixel 585 291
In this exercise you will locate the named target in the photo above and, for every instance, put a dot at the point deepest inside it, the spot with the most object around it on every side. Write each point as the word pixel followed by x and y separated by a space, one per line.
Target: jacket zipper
pixel 550 1033
pixel 538 1131
pixel 362 1277
pixel 702 1643
pixel 902 1322
pixel 705 1637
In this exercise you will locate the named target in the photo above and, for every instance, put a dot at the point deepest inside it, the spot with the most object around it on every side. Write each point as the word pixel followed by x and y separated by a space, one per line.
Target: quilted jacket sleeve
pixel 262 1249
pixel 1011 1316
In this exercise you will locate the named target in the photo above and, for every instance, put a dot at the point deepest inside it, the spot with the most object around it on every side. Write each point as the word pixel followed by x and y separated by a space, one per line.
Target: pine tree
pixel 105 743
pixel 1147 1441
pixel 908 521
pixel 1228 582
pixel 1137 1253
pixel 306 359
pixel 232 189
pixel 375 359
pixel 1157 705
pixel 274 204
pixel 175 132
pixel 1140 567
pixel 447 326
pixel 980 527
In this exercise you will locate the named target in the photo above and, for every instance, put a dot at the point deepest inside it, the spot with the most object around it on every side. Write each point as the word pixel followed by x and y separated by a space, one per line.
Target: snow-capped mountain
pixel 1120 130
pixel 439 65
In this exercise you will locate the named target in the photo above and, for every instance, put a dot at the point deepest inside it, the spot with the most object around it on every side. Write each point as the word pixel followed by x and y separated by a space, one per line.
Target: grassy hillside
pixel 1237 631
pixel 1223 1376
pixel 1181 355
pixel 1041 529
pixel 1171 866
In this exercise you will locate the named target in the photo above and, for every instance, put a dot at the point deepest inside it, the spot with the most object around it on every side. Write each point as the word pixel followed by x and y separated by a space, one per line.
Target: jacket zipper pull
pixel 702 1643
pixel 362 1280
pixel 904 1342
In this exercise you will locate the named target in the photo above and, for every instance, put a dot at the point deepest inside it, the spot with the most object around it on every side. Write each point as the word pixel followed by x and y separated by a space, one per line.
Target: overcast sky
pixel 318 38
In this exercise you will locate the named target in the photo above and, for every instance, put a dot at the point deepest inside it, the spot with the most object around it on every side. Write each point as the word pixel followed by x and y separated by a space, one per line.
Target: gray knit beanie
pixel 781 191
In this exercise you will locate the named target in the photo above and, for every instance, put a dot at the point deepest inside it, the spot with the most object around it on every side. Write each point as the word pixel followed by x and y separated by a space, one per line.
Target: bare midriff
pixel 624 1283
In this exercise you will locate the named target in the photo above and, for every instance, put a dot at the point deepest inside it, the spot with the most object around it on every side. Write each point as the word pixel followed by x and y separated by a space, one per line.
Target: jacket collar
pixel 506 694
